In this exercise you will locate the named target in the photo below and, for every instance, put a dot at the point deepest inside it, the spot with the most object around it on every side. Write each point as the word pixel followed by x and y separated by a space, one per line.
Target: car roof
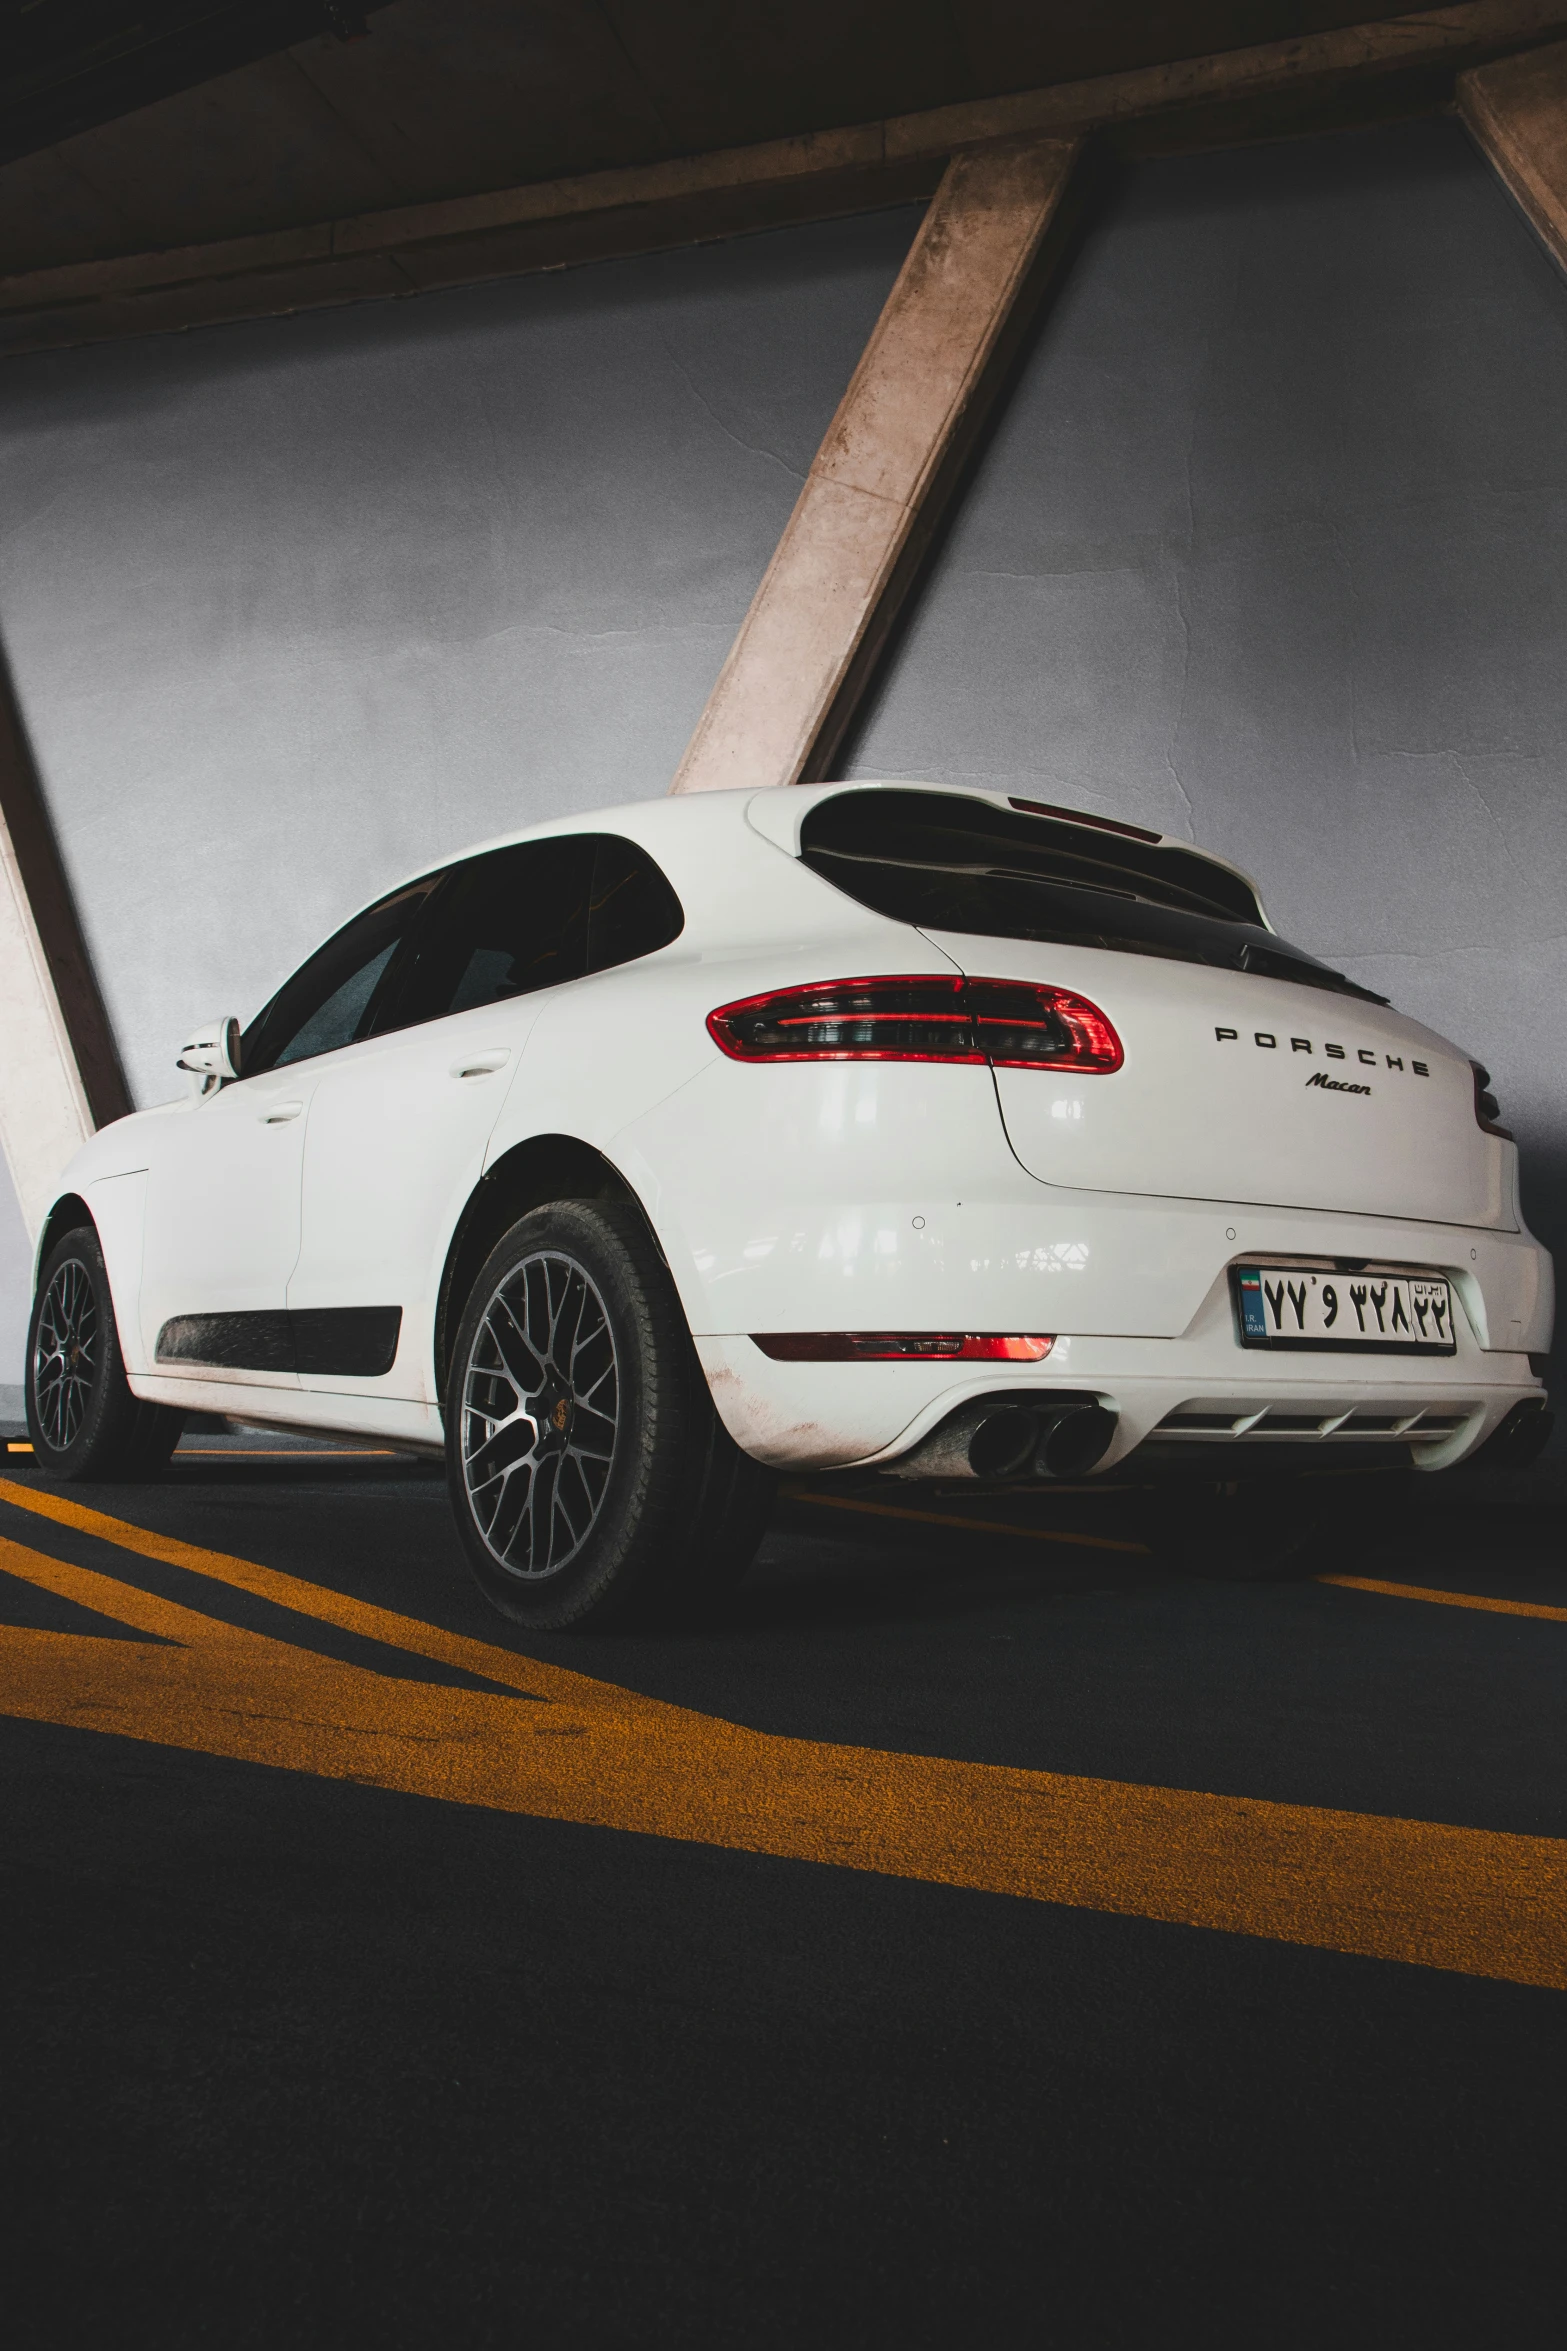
pixel 688 822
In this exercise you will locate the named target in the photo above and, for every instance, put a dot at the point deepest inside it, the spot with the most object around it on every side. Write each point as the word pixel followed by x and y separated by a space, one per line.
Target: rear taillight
pixel 1010 1023
pixel 1488 1111
pixel 1023 1027
pixel 899 1347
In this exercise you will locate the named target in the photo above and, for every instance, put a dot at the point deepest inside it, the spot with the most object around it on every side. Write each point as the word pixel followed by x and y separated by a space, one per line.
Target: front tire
pixel 590 1476
pixel 81 1416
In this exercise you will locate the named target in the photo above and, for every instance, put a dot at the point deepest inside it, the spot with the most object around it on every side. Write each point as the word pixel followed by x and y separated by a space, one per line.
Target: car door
pixel 222 1228
pixel 399 1122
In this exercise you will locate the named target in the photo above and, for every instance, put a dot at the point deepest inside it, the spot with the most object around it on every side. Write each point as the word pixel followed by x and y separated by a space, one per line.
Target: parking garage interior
pixel 323 558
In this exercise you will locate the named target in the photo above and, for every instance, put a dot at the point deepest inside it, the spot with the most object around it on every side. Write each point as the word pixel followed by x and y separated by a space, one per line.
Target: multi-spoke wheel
pixel 81 1415
pixel 590 1475
pixel 539 1412
pixel 65 1353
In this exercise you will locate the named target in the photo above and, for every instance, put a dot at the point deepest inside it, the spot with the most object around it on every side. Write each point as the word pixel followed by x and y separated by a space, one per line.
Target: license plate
pixel 1364 1313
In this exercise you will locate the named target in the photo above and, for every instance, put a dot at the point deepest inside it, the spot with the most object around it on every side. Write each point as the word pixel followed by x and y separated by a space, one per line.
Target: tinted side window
pixel 501 925
pixel 633 910
pixel 331 1000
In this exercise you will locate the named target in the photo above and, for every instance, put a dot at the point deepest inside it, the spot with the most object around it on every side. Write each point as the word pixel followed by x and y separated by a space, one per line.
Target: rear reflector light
pixel 1010 1023
pixel 899 1347
pixel 1488 1111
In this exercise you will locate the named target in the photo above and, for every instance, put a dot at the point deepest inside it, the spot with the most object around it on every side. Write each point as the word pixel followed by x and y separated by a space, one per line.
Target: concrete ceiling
pixel 132 129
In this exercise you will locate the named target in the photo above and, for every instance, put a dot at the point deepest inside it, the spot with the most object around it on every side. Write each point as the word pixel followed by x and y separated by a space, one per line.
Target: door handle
pixel 280 1113
pixel 481 1065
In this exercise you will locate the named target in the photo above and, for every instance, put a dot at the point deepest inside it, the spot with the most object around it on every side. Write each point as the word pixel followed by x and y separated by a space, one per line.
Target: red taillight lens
pixel 1011 1023
pixel 1019 1026
pixel 899 1347
pixel 1488 1111
pixel 850 1020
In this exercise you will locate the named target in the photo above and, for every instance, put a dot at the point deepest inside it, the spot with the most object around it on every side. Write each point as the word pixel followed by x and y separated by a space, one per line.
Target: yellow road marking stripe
pixel 973 1526
pixel 314 1600
pixel 1365 1583
pixel 1481 1902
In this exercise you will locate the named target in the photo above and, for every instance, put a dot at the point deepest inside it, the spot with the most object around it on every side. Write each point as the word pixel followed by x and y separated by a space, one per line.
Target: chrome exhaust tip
pixel 1012 1439
pixel 1004 1444
pixel 1065 1442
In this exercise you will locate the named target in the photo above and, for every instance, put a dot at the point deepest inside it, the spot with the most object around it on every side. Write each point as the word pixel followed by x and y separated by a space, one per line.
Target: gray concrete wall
pixel 1267 551
pixel 294 608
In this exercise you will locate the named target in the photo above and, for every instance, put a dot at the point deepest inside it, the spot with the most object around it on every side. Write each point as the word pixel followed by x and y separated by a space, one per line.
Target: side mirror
pixel 212 1056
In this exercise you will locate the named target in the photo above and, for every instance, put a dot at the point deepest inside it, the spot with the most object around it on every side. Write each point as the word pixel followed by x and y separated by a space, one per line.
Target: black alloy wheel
pixel 591 1478
pixel 540 1411
pixel 82 1418
pixel 66 1346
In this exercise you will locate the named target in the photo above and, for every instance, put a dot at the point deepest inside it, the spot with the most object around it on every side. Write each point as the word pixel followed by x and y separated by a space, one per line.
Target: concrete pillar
pixel 1516 110
pixel 60 1074
pixel 787 690
pixel 43 1105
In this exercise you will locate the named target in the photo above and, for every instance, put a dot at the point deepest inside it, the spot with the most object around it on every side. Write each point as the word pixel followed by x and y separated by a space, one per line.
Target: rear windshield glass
pixel 952 864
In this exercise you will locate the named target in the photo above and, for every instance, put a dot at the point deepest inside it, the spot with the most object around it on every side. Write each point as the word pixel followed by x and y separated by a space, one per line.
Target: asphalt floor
pixel 973 1936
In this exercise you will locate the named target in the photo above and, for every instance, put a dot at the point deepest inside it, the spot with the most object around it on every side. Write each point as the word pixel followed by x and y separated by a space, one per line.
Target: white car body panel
pixel 1102 1210
pixel 222 1219
pixel 394 1146
pixel 1255 1115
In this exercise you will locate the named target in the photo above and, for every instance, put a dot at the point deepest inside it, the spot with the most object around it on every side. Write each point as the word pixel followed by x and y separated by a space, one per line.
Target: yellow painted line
pixel 1482 1902
pixel 15 1448
pixel 1365 1583
pixel 972 1526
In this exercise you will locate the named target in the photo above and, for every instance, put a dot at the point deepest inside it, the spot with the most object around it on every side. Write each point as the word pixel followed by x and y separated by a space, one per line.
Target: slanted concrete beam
pixel 60 1074
pixel 1517 112
pixel 785 692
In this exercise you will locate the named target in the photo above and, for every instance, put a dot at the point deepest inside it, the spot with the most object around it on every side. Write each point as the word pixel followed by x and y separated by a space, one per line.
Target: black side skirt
pixel 334 1342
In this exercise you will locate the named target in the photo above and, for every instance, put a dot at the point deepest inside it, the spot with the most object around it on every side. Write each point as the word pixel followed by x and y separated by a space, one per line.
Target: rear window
pixel 948 863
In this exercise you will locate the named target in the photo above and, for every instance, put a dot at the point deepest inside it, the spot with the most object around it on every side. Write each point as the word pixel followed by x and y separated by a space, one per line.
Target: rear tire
pixel 83 1420
pixel 592 1481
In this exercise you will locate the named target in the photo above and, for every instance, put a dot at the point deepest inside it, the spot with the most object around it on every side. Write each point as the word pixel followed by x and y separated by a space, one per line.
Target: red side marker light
pixel 899 1347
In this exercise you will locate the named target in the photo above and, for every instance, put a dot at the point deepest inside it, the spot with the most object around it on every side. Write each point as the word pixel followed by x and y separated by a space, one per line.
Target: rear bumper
pixel 1186 1403
pixel 1179 1402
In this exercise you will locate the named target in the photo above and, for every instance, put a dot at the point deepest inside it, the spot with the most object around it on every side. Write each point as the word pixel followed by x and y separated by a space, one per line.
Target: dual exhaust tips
pixel 1007 1439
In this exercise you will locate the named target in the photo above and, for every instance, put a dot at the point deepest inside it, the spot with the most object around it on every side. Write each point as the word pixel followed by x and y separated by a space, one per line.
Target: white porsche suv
pixel 894 1129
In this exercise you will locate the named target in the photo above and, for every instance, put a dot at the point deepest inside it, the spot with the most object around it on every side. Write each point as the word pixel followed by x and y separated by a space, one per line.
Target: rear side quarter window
pixel 633 910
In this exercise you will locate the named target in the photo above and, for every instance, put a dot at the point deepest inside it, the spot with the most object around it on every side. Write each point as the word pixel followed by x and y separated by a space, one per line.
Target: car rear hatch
pixel 1250 1072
